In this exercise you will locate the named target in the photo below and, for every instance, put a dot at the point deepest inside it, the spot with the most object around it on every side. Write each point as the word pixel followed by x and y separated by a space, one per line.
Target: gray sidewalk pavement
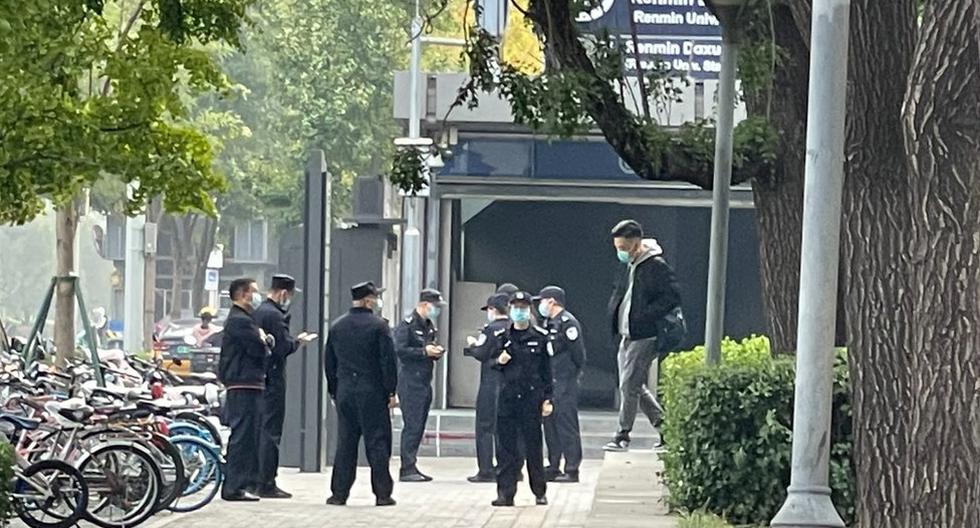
pixel 606 498
pixel 629 493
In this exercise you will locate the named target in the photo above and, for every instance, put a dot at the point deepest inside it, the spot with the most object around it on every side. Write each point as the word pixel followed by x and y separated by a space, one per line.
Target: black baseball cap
pixel 432 296
pixel 508 288
pixel 281 281
pixel 365 289
pixel 552 292
pixel 521 297
pixel 497 301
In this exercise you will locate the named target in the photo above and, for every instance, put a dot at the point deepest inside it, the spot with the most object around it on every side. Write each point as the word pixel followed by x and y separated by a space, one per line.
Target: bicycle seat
pixel 207 377
pixel 159 407
pixel 117 394
pixel 73 410
pixel 129 414
pixel 21 422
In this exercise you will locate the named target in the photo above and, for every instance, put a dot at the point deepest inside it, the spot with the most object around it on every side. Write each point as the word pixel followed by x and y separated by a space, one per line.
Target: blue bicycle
pixel 202 466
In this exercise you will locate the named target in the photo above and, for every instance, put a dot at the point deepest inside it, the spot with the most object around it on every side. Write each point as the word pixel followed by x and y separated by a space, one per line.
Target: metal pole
pixel 411 236
pixel 718 260
pixel 808 504
pixel 133 285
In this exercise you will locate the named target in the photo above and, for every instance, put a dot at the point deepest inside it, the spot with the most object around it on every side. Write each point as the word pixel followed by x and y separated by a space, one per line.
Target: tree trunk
pixel 779 198
pixel 203 252
pixel 66 224
pixel 912 240
pixel 179 250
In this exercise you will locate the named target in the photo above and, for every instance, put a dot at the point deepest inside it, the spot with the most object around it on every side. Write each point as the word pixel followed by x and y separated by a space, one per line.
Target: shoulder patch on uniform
pixel 500 332
pixel 564 318
pixel 482 338
pixel 408 319
pixel 540 330
pixel 571 333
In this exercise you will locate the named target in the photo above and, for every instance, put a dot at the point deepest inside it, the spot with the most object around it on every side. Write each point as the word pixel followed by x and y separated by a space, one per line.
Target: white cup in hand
pixel 504 358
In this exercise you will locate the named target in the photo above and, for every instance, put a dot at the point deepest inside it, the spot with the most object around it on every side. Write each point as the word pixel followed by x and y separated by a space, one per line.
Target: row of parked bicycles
pixel 113 455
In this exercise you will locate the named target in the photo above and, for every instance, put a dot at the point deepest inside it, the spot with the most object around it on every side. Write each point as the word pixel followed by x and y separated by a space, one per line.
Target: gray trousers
pixel 635 360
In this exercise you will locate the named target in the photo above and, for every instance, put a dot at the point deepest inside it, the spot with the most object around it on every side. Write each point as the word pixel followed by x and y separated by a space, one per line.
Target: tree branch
pixel 631 141
pixel 123 35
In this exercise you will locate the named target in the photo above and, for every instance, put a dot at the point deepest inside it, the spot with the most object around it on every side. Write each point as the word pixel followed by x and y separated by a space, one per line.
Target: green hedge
pixel 6 476
pixel 728 432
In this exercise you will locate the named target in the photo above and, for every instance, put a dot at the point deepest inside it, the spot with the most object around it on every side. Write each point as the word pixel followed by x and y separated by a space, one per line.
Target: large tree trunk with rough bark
pixel 779 198
pixel 912 245
pixel 66 224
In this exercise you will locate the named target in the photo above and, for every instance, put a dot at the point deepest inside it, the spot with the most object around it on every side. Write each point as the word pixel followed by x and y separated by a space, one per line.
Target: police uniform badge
pixel 571 333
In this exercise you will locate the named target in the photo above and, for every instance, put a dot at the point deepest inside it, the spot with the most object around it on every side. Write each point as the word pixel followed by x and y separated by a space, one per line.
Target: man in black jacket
pixel 482 349
pixel 523 356
pixel 645 294
pixel 241 368
pixel 272 317
pixel 561 429
pixel 361 379
pixel 418 350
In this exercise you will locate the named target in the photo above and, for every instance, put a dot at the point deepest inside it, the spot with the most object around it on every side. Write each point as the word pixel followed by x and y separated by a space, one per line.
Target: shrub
pixel 6 476
pixel 728 430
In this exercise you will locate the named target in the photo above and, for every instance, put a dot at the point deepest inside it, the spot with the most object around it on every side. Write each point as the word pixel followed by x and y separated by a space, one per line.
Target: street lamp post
pixel 726 11
pixel 412 234
pixel 808 504
pixel 133 283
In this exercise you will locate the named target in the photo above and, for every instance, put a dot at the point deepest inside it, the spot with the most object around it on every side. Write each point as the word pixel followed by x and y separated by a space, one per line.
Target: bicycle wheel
pixel 172 471
pixel 201 420
pixel 203 464
pixel 124 485
pixel 50 494
pixel 189 429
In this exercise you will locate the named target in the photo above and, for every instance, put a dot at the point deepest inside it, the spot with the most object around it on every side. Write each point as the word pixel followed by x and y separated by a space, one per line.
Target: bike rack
pixel 42 316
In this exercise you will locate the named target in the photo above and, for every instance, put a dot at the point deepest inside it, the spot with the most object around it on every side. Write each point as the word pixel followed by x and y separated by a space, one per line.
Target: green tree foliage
pixel 97 88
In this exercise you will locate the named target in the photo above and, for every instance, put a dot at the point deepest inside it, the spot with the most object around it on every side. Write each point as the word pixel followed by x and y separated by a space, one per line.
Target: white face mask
pixel 491 316
pixel 256 299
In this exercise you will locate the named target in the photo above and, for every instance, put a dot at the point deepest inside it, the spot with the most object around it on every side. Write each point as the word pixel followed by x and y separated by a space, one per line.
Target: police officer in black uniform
pixel 417 351
pixel 523 358
pixel 561 429
pixel 482 348
pixel 241 368
pixel 272 316
pixel 361 378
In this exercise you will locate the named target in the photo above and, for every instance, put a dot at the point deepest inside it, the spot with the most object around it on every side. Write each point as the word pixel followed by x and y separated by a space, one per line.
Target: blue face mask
pixel 623 256
pixel 434 313
pixel 520 315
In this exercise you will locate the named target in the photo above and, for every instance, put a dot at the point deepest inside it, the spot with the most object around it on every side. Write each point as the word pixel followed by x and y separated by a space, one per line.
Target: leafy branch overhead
pixel 585 85
pixel 104 97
